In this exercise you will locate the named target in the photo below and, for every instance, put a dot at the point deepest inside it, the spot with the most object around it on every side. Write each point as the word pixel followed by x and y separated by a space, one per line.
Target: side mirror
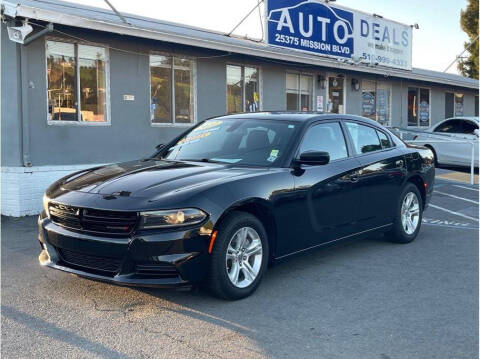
pixel 159 146
pixel 476 132
pixel 314 158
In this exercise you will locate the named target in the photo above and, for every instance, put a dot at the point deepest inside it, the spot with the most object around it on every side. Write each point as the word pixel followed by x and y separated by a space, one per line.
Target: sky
pixel 435 44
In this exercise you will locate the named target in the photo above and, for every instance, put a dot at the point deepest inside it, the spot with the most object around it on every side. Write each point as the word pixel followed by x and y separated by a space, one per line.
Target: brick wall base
pixel 23 187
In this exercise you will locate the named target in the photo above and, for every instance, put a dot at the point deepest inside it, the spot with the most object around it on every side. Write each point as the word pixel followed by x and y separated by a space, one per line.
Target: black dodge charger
pixel 234 193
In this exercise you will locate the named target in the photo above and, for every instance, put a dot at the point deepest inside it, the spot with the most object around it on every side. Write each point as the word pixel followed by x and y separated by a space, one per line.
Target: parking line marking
pixel 471 189
pixel 453 212
pixel 448 226
pixel 457 197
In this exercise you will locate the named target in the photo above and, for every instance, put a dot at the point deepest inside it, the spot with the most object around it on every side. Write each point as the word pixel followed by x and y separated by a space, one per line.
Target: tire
pixel 401 231
pixel 230 232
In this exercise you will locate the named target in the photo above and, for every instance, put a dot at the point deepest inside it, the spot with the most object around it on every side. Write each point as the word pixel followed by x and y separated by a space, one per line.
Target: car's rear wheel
pixel 408 219
pixel 239 256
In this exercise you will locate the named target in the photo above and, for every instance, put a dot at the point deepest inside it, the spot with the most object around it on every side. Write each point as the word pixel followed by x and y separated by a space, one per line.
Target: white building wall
pixel 22 188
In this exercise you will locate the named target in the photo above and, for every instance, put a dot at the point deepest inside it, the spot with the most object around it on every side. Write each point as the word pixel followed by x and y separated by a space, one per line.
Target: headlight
pixel 171 218
pixel 45 204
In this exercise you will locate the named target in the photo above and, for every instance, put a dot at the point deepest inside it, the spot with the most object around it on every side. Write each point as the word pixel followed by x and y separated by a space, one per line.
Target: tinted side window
pixel 451 126
pixel 469 127
pixel 384 140
pixel 326 137
pixel 364 138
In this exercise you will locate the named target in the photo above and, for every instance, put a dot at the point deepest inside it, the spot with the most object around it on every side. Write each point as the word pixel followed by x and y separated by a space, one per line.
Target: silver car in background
pixel 451 141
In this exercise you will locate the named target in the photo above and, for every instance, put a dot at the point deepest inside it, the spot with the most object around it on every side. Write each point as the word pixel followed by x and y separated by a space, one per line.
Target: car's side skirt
pixel 334 240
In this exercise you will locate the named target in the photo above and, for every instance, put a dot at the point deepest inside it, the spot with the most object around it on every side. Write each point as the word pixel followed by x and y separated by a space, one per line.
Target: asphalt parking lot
pixel 362 299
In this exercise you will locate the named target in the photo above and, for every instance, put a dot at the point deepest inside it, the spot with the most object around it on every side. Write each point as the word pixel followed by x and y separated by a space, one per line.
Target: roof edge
pixel 239 46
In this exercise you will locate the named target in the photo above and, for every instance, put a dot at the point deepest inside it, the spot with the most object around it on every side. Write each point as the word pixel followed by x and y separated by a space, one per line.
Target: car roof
pixel 296 116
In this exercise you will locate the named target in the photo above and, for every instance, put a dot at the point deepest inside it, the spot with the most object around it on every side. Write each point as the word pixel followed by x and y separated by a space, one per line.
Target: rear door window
pixel 469 127
pixel 365 138
pixel 325 137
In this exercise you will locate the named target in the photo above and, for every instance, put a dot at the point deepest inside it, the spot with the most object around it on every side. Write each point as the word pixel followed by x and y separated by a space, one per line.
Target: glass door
pixel 335 94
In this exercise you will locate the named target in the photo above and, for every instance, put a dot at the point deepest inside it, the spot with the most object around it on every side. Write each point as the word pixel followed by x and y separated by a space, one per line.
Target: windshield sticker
pixel 191 139
pixel 208 125
pixel 207 130
pixel 227 160
pixel 273 156
pixel 291 126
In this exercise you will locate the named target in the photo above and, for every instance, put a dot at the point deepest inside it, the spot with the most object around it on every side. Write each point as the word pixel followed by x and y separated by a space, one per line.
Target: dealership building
pixel 90 87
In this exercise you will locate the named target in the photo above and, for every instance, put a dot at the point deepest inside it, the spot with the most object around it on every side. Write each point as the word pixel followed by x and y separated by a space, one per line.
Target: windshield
pixel 239 141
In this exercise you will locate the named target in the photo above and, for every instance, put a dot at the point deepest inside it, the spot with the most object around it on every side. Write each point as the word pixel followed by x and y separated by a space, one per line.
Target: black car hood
pixel 150 178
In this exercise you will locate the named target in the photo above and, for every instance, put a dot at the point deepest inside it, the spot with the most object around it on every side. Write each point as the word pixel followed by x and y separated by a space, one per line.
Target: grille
pixel 159 270
pixel 96 263
pixel 93 220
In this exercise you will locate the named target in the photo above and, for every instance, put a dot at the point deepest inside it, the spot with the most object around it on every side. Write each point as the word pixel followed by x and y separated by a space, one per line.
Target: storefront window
pixel 242 89
pixel 369 95
pixel 449 104
pixel 292 88
pixel 418 107
pixel 383 103
pixel 64 62
pixel 161 88
pixel 299 90
pixel 183 74
pixel 171 78
pixel 424 108
pixel 458 104
pixel 376 101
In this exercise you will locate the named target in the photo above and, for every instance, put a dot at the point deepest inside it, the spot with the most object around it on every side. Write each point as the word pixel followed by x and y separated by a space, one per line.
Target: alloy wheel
pixel 244 257
pixel 410 213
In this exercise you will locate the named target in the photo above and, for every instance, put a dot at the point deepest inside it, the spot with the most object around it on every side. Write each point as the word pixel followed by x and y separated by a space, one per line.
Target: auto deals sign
pixel 317 27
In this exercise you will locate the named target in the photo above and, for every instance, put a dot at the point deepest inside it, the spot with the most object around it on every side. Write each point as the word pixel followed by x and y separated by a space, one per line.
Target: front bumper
pixel 150 258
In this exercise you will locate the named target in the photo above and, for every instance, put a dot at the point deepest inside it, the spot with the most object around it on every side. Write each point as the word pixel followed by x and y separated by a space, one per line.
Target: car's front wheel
pixel 239 256
pixel 408 217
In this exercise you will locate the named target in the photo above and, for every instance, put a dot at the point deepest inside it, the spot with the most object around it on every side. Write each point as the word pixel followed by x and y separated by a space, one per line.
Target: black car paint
pixel 302 207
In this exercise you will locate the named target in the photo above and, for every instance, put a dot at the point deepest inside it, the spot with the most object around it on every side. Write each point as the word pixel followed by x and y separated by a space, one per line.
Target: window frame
pixel 352 145
pixel 299 92
pixel 172 99
pixel 107 121
pixel 242 72
pixel 429 106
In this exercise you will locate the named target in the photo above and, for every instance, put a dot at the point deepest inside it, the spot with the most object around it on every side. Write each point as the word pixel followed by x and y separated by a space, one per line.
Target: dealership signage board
pixel 317 27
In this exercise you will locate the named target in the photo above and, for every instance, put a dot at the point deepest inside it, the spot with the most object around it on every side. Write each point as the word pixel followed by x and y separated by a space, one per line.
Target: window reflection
pixel 171 77
pixel 64 61
pixel 242 89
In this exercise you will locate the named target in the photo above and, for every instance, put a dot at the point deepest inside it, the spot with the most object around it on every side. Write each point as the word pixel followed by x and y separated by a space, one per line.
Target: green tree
pixel 469 21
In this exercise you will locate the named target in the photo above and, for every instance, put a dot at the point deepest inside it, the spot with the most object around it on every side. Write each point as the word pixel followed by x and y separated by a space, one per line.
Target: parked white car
pixel 450 140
